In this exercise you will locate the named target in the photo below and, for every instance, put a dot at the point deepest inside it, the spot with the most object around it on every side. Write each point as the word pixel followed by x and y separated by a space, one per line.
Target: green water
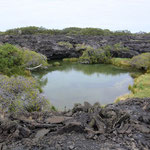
pixel 73 83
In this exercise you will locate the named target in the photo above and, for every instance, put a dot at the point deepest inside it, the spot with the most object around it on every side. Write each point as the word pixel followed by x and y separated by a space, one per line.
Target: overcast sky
pixel 133 15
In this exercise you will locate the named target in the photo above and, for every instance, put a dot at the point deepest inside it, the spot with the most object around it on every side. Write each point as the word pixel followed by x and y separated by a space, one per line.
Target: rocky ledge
pixel 121 126
pixel 48 45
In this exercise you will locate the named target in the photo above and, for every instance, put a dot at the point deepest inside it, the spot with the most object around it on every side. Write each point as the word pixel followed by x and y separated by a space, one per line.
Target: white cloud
pixel 112 14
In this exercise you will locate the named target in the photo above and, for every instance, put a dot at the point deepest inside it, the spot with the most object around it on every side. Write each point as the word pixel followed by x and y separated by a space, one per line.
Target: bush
pixel 81 47
pixel 15 60
pixel 121 62
pixel 56 64
pixel 28 30
pixel 65 44
pixel 140 88
pixel 71 31
pixel 92 31
pixel 21 94
pixel 120 47
pixel 66 59
pixel 141 61
pixel 70 59
pixel 66 31
pixel 11 60
pixel 32 59
pixel 91 56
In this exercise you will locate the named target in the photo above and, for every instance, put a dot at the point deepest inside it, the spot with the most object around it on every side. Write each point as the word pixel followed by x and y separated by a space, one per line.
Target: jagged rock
pixel 72 126
pixel 40 134
pixel 24 132
pixel 124 125
pixel 77 107
pixel 48 45
pixel 57 119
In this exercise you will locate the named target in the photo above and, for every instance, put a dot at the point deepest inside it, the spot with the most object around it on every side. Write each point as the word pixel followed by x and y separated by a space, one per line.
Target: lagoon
pixel 73 83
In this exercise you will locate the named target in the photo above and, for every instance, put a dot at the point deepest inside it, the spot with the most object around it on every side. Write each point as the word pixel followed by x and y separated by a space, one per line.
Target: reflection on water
pixel 76 83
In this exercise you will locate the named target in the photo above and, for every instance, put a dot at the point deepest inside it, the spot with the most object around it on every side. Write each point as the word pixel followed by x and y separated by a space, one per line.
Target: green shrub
pixel 136 74
pixel 71 31
pixel 11 60
pixel 56 64
pixel 81 47
pixel 29 30
pixel 66 31
pixel 121 62
pixel 92 31
pixel 120 47
pixel 141 61
pixel 91 56
pixel 66 44
pixel 66 59
pixel 73 59
pixel 70 59
pixel 15 60
pixel 21 94
pixel 32 59
pixel 53 108
pixel 122 32
pixel 140 88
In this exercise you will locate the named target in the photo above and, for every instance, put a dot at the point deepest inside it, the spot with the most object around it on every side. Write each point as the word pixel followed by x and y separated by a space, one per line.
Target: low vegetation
pixel 96 56
pixel 81 47
pixel 18 90
pixel 66 31
pixel 103 55
pixel 121 62
pixel 32 59
pixel 119 47
pixel 15 60
pixel 140 88
pixel 70 59
pixel 21 94
pixel 11 60
pixel 29 30
pixel 65 44
pixel 56 64
pixel 141 61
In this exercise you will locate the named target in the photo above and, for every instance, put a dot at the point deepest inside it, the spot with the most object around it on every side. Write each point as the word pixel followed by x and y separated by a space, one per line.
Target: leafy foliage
pixel 28 30
pixel 56 64
pixel 140 88
pixel 15 60
pixel 66 44
pixel 70 59
pixel 66 31
pixel 11 60
pixel 81 47
pixel 91 56
pixel 141 61
pixel 121 62
pixel 21 94
pixel 32 59
pixel 120 47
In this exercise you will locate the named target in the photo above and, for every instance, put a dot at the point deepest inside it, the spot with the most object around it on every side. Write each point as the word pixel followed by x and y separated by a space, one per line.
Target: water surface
pixel 75 83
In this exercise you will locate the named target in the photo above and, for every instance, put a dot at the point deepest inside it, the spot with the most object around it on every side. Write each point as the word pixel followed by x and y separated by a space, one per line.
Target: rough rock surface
pixel 48 45
pixel 121 126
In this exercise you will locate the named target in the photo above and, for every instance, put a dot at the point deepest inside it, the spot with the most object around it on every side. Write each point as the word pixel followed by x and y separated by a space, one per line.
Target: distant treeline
pixel 66 31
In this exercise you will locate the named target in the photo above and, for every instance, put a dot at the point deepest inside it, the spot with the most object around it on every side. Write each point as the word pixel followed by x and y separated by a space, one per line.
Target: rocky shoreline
pixel 121 126
pixel 48 44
